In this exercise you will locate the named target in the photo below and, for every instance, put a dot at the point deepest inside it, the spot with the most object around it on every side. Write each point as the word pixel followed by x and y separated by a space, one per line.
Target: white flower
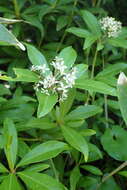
pixel 111 26
pixel 49 81
pixel 58 64
pixel 42 68
pixel 70 78
pixel 59 81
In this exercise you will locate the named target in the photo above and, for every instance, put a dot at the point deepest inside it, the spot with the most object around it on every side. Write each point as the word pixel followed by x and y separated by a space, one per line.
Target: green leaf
pixel 61 22
pixel 11 143
pixel 94 153
pixel 112 141
pixel 82 33
pixel 112 70
pixel 37 181
pixel 89 41
pixel 92 169
pixel 76 140
pixel 66 105
pixel 83 112
pixel 3 169
pixel 46 103
pixel 95 86
pixel 43 152
pixel 7 38
pixel 122 95
pixel 35 56
pixel 118 42
pixel 91 22
pixel 123 173
pixel 36 123
pixel 69 55
pixel 10 183
pixel 109 184
pixel 80 70
pixel 74 178
pixel 37 167
pixel 88 132
pixel 24 75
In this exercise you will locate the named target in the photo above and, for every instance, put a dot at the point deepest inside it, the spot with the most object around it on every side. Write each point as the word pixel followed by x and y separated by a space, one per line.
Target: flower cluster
pixel 58 81
pixel 110 26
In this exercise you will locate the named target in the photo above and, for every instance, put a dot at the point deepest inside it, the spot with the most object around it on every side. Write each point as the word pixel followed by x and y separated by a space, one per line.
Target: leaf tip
pixel 22 47
pixel 122 79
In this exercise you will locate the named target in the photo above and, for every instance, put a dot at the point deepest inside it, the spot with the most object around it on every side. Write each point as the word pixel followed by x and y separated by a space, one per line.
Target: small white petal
pixel 122 79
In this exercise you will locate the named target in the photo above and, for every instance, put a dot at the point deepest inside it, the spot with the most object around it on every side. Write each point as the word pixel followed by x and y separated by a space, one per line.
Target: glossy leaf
pixel 91 22
pixel 10 183
pixel 3 169
pixel 112 141
pixel 80 32
pixel 46 103
pixel 74 178
pixel 37 181
pixel 66 105
pixel 37 167
pixel 11 143
pixel 95 86
pixel 42 152
pixel 83 112
pixel 92 169
pixel 35 56
pixel 69 55
pixel 7 38
pixel 76 140
pixel 24 75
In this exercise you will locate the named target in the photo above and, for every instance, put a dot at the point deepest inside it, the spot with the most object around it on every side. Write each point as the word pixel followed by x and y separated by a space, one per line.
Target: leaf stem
pixel 94 63
pixel 105 100
pixel 112 173
pixel 32 139
pixel 69 22
pixel 54 170
pixel 16 7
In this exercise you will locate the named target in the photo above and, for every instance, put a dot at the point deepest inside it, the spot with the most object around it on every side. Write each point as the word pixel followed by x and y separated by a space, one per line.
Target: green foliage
pixel 48 142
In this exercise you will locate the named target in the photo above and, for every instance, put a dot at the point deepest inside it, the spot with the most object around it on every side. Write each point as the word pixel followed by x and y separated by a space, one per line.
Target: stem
pixel 105 100
pixel 112 173
pixel 94 63
pixel 27 139
pixel 98 3
pixel 106 110
pixel 16 7
pixel 70 20
pixel 54 170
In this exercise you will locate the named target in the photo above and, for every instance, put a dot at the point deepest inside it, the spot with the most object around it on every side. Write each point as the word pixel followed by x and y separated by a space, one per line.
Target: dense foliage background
pixel 48 150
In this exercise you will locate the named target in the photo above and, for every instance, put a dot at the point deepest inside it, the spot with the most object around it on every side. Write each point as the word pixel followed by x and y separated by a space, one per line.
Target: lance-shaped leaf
pixel 35 56
pixel 37 181
pixel 3 169
pixel 46 103
pixel 69 56
pixel 24 75
pixel 43 152
pixel 122 95
pixel 76 140
pixel 83 112
pixel 7 38
pixel 95 86
pixel 10 142
pixel 10 183
pixel 91 22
